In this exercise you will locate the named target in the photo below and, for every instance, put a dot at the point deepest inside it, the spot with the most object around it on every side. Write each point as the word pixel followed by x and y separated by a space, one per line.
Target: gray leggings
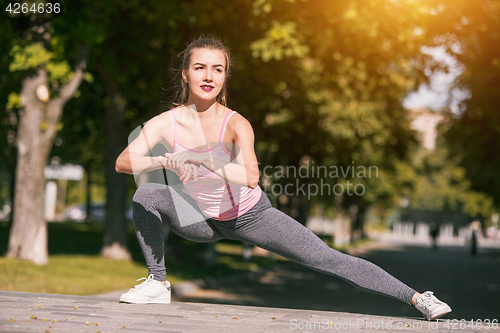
pixel 262 225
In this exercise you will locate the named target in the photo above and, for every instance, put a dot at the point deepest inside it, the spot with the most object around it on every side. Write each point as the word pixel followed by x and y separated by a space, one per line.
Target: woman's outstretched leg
pixel 275 231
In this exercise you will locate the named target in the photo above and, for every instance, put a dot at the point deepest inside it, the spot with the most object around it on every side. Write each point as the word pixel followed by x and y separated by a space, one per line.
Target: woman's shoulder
pixel 167 115
pixel 161 121
pixel 169 111
pixel 236 118
pixel 238 123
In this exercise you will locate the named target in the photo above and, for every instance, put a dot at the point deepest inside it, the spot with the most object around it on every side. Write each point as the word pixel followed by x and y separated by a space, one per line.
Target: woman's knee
pixel 148 192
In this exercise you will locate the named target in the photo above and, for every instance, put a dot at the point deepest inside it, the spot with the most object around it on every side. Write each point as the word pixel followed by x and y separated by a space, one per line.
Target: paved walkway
pixel 30 312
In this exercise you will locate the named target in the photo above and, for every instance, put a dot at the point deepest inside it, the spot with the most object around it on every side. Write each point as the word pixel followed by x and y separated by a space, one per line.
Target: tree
pixel 472 35
pixel 38 54
pixel 438 190
pixel 339 104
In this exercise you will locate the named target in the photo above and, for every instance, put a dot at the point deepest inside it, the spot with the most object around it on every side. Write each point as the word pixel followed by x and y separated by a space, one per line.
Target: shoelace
pixel 145 283
pixel 427 300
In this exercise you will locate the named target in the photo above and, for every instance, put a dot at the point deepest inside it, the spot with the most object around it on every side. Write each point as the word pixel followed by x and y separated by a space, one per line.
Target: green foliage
pixel 33 55
pixel 470 32
pixel 29 56
pixel 344 92
pixel 434 182
pixel 14 101
pixel 281 40
pixel 59 71
pixel 357 70
pixel 478 204
pixel 319 79
pixel 88 77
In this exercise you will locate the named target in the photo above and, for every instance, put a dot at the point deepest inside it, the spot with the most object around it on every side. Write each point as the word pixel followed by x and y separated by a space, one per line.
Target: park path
pixel 31 312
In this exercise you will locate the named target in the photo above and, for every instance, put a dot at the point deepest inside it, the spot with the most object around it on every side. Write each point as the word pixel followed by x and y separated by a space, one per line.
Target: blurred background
pixel 407 89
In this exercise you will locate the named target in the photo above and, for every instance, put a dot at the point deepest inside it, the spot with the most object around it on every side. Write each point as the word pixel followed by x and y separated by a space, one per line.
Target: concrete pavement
pixel 31 312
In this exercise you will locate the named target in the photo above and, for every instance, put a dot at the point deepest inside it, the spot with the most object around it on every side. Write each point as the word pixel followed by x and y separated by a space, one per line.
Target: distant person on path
pixel 433 232
pixel 212 151
pixel 473 250
pixel 476 226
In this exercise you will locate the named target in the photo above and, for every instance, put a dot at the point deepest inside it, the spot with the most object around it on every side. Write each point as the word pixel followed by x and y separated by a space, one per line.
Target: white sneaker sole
pixel 439 314
pixel 146 301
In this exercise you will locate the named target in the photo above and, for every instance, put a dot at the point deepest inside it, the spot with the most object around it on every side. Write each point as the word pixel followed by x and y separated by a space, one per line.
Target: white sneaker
pixel 430 306
pixel 150 291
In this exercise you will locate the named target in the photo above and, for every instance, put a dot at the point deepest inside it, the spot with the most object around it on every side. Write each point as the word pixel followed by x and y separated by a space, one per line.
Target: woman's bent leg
pixel 156 203
pixel 275 231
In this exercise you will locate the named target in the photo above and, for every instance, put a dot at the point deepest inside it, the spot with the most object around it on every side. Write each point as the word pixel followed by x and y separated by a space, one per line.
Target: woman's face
pixel 206 73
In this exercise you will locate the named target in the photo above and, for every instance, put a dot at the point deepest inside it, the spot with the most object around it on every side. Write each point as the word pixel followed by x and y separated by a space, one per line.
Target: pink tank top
pixel 217 197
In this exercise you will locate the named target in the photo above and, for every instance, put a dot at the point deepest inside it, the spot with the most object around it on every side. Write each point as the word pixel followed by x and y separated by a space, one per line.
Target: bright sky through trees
pixel 440 92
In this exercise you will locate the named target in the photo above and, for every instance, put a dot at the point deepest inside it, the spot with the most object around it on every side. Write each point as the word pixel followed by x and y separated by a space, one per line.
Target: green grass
pixel 74 274
pixel 76 268
pixel 346 246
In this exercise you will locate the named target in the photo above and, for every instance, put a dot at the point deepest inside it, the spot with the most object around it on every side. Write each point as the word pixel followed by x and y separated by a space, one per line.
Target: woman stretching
pixel 212 152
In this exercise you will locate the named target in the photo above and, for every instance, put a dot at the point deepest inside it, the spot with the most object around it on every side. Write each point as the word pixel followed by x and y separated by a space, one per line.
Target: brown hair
pixel 202 42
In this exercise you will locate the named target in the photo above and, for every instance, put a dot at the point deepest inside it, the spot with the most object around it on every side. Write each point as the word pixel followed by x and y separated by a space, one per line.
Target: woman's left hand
pixel 178 159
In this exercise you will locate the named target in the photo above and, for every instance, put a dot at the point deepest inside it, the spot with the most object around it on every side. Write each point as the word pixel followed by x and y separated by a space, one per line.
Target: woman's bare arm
pixel 246 170
pixel 133 160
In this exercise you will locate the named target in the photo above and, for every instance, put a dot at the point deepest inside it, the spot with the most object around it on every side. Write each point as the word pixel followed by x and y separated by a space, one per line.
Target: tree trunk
pixel 28 234
pixel 115 236
pixel 36 132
